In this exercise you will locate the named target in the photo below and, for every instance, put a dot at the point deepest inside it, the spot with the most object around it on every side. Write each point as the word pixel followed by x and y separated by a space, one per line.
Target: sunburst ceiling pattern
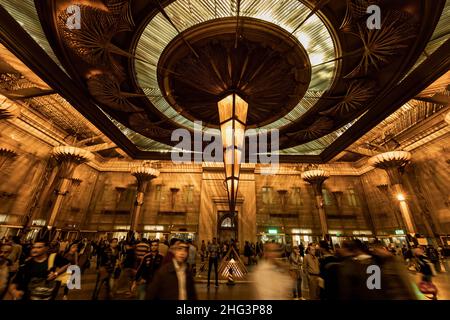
pixel 292 15
pixel 351 66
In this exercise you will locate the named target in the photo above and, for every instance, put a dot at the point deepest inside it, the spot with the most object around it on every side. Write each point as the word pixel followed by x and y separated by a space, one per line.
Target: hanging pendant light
pixel 233 117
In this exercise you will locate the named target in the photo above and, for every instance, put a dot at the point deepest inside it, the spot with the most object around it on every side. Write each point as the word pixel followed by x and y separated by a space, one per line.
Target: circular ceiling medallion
pixel 264 64
pixel 186 59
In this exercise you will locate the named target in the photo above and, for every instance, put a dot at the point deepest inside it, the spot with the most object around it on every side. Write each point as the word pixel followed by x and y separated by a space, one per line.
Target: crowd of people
pixel 36 271
pixel 153 269
pixel 344 273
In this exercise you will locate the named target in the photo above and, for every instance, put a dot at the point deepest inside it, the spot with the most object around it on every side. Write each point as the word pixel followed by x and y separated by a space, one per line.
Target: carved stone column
pixel 394 162
pixel 143 176
pixel 68 159
pixel 384 189
pixel 316 179
pixel 6 154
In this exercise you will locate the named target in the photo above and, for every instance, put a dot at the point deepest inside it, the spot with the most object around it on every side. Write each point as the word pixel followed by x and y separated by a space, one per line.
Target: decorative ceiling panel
pixel 139 61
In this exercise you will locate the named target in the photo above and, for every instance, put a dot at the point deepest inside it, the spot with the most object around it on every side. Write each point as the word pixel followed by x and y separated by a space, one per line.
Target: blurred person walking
pixel 163 247
pixel 128 269
pixel 108 265
pixel 353 275
pixel 328 280
pixel 72 257
pixel 433 256
pixel 37 278
pixel 192 256
pixel 426 268
pixel 247 252
pixel 15 255
pixel 174 281
pixel 271 279
pixel 203 250
pixel 5 265
pixel 395 281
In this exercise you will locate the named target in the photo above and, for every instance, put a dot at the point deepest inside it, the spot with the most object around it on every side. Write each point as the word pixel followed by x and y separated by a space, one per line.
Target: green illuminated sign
pixel 273 231
pixel 398 232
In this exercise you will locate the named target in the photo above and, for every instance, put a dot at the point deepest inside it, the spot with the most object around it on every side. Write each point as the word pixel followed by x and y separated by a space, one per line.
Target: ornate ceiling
pixel 312 69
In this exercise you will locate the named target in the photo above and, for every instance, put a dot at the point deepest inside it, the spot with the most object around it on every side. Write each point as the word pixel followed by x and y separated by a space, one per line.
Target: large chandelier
pixel 233 117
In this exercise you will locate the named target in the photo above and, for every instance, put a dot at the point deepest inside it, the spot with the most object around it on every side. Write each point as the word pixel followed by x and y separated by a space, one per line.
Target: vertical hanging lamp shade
pixel 233 116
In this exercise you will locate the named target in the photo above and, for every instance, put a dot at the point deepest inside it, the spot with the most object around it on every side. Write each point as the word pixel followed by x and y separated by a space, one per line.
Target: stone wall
pixel 193 197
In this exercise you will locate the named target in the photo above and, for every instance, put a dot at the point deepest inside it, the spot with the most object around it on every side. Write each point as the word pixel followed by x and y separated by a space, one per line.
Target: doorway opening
pixel 227 228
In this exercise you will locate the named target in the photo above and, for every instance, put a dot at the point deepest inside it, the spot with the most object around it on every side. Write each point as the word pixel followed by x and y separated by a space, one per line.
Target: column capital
pixel 316 178
pixel 143 175
pixel 393 162
pixel 69 158
pixel 7 153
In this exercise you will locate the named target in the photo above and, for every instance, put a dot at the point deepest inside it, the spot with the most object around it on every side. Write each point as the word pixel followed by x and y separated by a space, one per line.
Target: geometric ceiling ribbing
pixel 318 72
pixel 293 16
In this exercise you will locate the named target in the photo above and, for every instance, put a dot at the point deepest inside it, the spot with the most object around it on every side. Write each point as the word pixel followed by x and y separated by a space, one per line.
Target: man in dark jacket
pixel 329 277
pixel 147 269
pixel 174 281
pixel 108 265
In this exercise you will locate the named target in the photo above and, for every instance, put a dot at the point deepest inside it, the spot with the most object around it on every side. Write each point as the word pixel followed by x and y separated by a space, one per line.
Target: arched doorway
pixel 227 228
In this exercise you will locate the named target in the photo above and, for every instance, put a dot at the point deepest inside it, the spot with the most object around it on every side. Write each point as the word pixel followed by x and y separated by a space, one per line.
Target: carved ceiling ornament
pixel 142 123
pixel 358 92
pixel 381 45
pixel 181 91
pixel 267 67
pixel 93 41
pixel 121 10
pixel 105 88
pixel 319 128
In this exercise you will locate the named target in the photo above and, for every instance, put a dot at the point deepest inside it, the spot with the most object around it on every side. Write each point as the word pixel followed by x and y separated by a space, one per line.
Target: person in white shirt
pixel 174 281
